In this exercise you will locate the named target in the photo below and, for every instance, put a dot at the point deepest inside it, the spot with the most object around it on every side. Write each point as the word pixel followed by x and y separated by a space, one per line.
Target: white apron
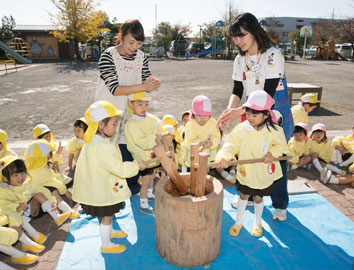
pixel 129 73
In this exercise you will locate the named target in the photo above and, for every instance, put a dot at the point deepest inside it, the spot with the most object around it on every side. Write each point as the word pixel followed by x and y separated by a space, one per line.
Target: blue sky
pixel 195 12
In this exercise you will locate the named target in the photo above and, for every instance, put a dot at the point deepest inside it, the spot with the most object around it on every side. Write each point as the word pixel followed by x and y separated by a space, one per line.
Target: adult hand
pixel 228 116
pixel 152 84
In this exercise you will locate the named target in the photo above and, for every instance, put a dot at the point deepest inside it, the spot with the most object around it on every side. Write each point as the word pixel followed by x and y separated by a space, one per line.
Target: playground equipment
pixel 17 49
pixel 327 51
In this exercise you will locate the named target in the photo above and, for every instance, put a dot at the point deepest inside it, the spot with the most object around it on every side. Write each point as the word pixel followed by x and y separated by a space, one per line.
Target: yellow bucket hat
pixel 169 129
pixel 37 153
pixel 309 98
pixel 6 161
pixel 3 138
pixel 97 112
pixel 140 96
pixel 41 129
pixel 169 119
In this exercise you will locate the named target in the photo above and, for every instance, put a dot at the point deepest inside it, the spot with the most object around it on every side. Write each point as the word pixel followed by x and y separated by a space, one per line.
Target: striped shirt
pixel 108 71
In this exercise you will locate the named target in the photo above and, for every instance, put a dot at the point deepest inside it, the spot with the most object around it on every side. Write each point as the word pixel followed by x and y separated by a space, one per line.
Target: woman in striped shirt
pixel 124 70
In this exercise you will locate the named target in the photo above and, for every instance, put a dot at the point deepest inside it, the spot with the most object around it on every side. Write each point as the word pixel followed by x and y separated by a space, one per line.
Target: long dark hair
pixel 17 166
pixel 250 23
pixel 133 27
pixel 267 122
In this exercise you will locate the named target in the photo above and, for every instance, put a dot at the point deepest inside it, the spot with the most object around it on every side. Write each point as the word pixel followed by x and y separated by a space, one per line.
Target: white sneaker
pixel 325 175
pixel 279 214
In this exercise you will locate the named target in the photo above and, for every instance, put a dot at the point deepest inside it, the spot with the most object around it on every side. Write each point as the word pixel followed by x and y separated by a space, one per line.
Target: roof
pixel 33 28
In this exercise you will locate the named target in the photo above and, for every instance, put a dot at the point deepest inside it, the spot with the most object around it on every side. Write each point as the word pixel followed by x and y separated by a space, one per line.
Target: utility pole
pixel 200 33
pixel 155 16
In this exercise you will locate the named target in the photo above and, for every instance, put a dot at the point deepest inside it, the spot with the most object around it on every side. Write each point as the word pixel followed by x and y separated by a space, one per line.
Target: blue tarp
pixel 315 236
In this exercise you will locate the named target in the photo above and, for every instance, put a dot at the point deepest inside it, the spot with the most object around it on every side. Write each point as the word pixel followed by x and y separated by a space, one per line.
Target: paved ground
pixel 58 93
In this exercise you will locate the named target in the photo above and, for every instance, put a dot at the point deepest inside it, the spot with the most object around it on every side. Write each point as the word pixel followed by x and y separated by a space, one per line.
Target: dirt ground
pixel 58 93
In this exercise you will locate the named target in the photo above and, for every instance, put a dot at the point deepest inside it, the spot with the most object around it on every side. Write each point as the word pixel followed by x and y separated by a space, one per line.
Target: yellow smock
pixel 323 149
pixel 7 152
pixel 297 149
pixel 299 114
pixel 8 236
pixel 73 147
pixel 347 142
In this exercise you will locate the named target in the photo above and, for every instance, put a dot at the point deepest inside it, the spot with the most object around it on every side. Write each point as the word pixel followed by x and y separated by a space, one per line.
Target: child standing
pixel 321 153
pixel 298 147
pixel 344 150
pixel 142 132
pixel 100 179
pixel 4 150
pixel 180 138
pixel 25 197
pixel 201 129
pixel 308 103
pixel 257 137
pixel 75 144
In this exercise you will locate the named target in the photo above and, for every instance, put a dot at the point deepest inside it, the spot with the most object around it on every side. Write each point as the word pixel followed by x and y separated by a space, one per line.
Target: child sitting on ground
pixel 4 149
pixel 75 144
pixel 37 156
pixel 24 198
pixel 298 147
pixel 344 150
pixel 142 132
pixel 100 178
pixel 321 153
pixel 201 129
pixel 308 103
pixel 41 131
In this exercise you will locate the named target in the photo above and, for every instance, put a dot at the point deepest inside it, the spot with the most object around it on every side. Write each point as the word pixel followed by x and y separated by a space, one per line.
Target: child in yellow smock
pixel 8 237
pixel 142 132
pixel 75 144
pixel 307 104
pixel 179 139
pixel 201 129
pixel 321 153
pixel 4 149
pixel 298 148
pixel 42 131
pixel 100 184
pixel 37 155
pixel 344 150
pixel 256 137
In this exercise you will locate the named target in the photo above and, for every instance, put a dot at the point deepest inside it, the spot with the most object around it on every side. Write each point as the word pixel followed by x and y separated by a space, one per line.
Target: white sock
pixel 317 165
pixel 338 156
pixel 28 227
pixel 184 169
pixel 258 211
pixel 225 175
pixel 11 251
pixel 333 180
pixel 47 207
pixel 348 161
pixel 105 231
pixel 64 207
pixel 26 241
pixel 149 193
pixel 241 208
pixel 144 203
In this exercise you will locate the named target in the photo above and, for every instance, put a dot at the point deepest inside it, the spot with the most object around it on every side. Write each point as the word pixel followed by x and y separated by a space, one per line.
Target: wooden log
pixel 188 230
pixel 201 174
pixel 167 141
pixel 171 169
pixel 194 157
pixel 244 161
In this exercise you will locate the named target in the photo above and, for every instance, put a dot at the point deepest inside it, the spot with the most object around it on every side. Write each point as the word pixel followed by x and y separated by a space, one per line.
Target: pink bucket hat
pixel 303 125
pixel 201 105
pixel 260 100
pixel 319 126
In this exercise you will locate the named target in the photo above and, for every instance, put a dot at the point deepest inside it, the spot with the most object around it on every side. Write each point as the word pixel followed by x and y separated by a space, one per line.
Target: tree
pixel 208 31
pixel 77 21
pixel 162 35
pixel 347 32
pixel 8 23
pixel 180 31
pixel 295 35
pixel 324 30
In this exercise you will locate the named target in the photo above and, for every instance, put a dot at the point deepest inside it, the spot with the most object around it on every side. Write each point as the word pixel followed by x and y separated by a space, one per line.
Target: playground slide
pixel 14 54
pixel 204 52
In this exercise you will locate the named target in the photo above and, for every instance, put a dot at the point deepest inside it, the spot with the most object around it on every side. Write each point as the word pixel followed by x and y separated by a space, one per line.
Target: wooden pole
pixel 167 141
pixel 201 174
pixel 245 161
pixel 194 157
pixel 171 169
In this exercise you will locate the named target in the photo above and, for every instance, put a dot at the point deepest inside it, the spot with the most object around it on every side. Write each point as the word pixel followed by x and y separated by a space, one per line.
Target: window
pixel 299 20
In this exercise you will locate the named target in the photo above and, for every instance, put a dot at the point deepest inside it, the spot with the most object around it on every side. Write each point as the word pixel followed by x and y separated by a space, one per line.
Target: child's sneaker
pixel 307 166
pixel 62 218
pixel 343 172
pixel 325 175
pixel 340 166
pixel 140 180
pixel 40 239
pixel 279 214
pixel 119 234
pixel 235 230
pixel 151 198
pixel 116 248
pixel 257 230
pixel 25 260
pixel 149 210
pixel 231 179
pixel 34 248
pixel 74 215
